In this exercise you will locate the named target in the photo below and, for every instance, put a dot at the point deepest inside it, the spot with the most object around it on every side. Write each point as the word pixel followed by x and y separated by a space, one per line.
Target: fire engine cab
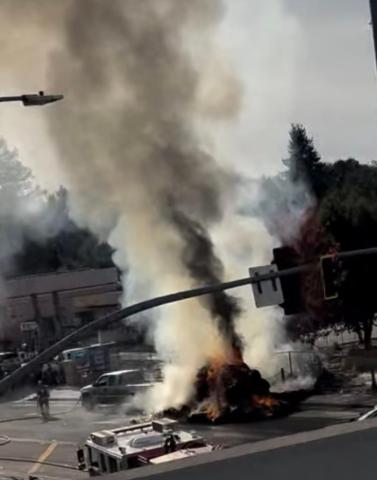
pixel 110 451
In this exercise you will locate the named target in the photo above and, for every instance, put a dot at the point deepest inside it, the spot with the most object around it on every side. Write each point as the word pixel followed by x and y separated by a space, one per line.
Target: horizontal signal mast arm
pixel 48 354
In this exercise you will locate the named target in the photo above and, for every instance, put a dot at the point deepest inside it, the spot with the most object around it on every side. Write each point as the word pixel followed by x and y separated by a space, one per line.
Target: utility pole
pixel 373 10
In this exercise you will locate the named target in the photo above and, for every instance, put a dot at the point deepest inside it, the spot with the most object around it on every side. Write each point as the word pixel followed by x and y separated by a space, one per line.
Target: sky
pixel 308 62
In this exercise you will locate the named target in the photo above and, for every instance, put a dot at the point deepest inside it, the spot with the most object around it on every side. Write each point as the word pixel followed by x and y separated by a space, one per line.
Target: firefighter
pixel 43 399
pixel 170 444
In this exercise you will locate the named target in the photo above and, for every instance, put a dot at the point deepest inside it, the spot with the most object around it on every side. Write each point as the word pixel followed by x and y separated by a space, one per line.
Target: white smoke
pixel 137 89
pixel 244 242
pixel 144 86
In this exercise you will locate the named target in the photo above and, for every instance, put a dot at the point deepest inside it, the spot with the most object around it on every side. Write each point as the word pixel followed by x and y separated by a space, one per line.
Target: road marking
pixel 43 457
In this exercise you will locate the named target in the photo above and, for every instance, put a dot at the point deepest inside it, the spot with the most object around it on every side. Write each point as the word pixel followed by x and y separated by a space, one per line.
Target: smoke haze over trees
pixel 36 233
pixel 335 205
pixel 340 215
pixel 339 200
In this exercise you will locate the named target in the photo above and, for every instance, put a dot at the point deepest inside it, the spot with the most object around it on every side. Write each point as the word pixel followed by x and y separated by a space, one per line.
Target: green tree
pixel 303 157
pixel 347 215
pixel 342 216
pixel 58 243
pixel 349 211
pixel 16 180
pixel 286 198
pixel 17 191
pixel 37 234
pixel 304 162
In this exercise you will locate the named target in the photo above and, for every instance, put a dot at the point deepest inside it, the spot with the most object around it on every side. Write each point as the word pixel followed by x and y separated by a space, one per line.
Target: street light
pixel 33 99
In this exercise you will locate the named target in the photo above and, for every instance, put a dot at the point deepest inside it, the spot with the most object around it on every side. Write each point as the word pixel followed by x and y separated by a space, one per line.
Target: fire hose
pixel 16 376
pixel 32 460
pixel 4 440
pixel 35 416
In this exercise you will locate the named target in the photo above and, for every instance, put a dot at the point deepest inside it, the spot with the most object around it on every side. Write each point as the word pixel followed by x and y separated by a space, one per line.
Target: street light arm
pixel 33 99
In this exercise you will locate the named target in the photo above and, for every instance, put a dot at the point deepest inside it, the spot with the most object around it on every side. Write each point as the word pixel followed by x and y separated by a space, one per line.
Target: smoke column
pixel 136 165
pixel 141 79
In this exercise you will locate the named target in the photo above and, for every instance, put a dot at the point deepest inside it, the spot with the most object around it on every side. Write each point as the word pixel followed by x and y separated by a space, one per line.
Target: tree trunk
pixel 374 384
pixel 360 335
pixel 368 328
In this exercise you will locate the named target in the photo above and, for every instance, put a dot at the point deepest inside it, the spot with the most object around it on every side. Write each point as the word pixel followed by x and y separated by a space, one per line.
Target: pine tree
pixel 304 161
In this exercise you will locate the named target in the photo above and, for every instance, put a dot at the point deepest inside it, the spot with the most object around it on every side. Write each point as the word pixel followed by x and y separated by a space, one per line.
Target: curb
pixel 63 399
pixel 336 406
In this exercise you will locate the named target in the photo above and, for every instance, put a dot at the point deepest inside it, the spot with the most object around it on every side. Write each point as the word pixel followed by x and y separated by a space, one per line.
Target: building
pixel 40 309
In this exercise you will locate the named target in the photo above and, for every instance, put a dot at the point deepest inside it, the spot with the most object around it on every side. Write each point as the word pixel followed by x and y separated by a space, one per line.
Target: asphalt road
pixel 56 440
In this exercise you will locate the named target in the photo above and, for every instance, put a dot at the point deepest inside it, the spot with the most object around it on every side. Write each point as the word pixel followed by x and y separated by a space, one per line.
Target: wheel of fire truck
pixel 88 402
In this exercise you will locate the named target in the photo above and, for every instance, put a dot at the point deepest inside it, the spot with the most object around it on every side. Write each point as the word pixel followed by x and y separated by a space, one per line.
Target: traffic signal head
pixel 284 258
pixel 330 276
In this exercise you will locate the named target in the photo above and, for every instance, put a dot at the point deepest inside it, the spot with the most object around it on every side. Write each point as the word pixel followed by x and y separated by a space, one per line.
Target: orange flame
pixel 212 410
pixel 215 405
pixel 266 402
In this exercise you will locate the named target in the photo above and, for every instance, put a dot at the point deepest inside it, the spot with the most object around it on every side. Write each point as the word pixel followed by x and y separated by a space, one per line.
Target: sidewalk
pixel 59 394
pixel 341 400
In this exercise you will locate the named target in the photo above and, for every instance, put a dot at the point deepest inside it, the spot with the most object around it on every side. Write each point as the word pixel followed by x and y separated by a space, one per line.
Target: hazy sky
pixel 307 61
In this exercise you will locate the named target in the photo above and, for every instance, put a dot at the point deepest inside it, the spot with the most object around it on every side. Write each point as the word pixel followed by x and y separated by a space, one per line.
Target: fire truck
pixel 132 446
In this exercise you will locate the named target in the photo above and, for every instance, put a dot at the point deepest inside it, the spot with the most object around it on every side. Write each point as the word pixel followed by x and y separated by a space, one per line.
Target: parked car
pixel 114 387
pixel 9 361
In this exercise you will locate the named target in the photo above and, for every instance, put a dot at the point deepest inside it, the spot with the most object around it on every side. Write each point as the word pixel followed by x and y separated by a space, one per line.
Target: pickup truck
pixel 114 387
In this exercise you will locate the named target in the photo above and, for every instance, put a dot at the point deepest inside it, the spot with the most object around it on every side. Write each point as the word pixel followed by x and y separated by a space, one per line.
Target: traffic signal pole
pixel 66 342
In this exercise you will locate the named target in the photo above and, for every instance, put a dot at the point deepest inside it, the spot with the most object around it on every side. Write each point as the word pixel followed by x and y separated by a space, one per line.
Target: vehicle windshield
pixel 103 380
